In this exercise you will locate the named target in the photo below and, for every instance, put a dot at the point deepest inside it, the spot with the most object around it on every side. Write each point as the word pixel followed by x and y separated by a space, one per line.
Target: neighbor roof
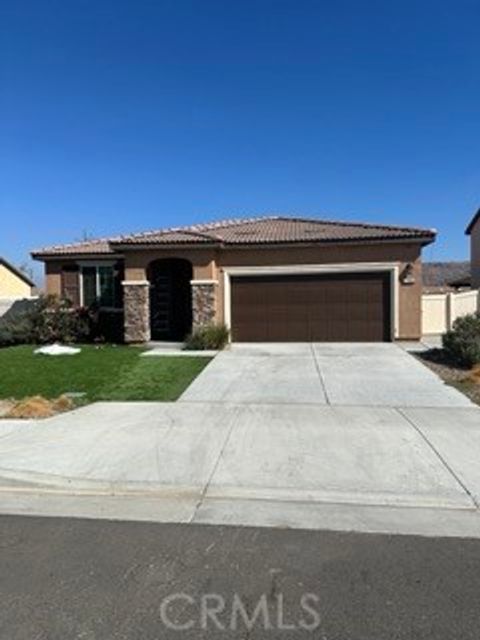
pixel 445 274
pixel 249 231
pixel 473 222
pixel 17 272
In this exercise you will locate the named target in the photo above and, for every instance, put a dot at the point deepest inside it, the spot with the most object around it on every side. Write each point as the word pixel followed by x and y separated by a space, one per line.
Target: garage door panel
pixel 322 308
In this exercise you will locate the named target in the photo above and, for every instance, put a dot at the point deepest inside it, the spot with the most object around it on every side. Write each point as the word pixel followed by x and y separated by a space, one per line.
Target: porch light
pixel 407 276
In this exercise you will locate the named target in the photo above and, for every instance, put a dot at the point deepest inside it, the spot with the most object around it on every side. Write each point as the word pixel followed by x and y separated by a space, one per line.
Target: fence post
pixel 450 309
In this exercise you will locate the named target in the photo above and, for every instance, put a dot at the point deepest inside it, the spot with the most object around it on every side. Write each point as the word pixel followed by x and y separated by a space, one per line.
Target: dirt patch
pixel 5 406
pixel 465 380
pixel 39 407
pixel 474 375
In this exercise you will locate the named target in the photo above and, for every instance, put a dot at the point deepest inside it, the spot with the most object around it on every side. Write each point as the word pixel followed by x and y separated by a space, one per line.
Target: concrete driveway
pixel 348 437
pixel 371 375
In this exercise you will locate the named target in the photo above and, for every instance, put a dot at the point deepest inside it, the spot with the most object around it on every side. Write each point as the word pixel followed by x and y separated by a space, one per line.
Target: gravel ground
pixel 450 372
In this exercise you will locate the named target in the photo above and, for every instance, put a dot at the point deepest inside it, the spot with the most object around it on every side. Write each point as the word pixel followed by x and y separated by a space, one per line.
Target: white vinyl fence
pixel 440 310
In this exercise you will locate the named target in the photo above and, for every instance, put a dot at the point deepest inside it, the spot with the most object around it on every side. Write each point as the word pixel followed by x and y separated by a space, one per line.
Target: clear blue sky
pixel 118 116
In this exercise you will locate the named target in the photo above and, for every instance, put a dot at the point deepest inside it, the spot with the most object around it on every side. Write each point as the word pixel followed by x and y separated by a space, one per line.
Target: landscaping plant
pixel 50 319
pixel 208 336
pixel 462 343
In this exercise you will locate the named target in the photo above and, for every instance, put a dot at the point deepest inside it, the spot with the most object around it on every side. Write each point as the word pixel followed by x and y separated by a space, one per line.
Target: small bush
pixel 462 343
pixel 209 336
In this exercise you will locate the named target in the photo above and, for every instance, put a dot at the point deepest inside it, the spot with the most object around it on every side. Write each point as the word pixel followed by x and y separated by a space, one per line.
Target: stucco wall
pixel 402 254
pixel 11 286
pixel 475 255
pixel 136 262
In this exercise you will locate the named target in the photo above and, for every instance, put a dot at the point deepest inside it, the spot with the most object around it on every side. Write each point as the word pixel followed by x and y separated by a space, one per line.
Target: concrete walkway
pixel 347 437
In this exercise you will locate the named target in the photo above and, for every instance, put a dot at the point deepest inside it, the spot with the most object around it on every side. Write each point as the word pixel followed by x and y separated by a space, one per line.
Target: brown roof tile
pixel 88 247
pixel 265 230
pixel 274 229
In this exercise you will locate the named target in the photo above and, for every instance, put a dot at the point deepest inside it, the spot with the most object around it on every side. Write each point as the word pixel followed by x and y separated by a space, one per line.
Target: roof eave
pixel 332 241
pixel 473 222
pixel 17 272
pixel 423 239
pixel 77 256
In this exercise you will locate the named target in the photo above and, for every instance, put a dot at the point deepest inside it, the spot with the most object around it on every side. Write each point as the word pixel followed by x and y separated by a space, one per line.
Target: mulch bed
pixel 450 372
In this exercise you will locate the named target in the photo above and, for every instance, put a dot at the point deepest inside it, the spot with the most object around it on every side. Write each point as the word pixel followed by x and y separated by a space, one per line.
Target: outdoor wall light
pixel 407 276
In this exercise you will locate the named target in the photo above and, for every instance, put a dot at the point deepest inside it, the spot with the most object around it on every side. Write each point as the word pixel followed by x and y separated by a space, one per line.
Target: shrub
pixel 208 336
pixel 55 320
pixel 14 331
pixel 462 343
pixel 50 319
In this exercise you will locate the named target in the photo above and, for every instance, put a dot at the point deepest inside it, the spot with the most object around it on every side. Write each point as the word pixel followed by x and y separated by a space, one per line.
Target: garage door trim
pixel 323 269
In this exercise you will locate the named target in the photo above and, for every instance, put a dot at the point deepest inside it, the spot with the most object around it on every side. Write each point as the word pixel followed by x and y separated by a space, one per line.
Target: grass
pixel 101 372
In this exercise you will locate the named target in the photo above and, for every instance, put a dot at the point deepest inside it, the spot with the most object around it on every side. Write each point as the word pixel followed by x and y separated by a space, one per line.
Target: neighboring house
pixel 268 279
pixel 473 230
pixel 14 284
pixel 445 277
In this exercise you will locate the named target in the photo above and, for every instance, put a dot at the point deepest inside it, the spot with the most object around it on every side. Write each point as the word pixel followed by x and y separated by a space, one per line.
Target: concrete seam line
pixel 439 456
pixel 203 493
pixel 320 375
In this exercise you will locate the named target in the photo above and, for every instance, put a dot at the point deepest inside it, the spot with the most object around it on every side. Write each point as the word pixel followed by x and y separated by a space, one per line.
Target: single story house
pixel 14 284
pixel 473 230
pixel 272 278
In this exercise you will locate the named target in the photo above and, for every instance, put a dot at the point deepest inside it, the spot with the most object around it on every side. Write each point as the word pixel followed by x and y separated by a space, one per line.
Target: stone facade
pixel 204 298
pixel 136 302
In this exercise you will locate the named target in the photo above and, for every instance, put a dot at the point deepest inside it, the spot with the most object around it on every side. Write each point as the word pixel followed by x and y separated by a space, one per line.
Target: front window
pixel 98 285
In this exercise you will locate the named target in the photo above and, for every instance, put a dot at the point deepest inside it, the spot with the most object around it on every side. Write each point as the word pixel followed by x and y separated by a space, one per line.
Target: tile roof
pixel 87 247
pixel 445 274
pixel 250 231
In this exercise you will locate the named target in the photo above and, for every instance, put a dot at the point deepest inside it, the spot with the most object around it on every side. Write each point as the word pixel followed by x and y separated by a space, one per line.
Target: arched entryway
pixel 170 298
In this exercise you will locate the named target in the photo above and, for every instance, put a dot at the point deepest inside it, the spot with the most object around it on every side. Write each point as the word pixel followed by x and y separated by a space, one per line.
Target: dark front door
pixel 352 307
pixel 170 299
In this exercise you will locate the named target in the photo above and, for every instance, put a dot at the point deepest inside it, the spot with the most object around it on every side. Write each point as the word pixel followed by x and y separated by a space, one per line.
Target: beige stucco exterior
pixel 11 285
pixel 211 264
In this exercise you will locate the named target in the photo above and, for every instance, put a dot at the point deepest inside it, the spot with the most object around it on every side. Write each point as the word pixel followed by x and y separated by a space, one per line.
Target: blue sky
pixel 119 116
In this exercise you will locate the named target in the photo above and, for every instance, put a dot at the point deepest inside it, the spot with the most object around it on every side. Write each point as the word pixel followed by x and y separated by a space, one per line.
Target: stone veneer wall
pixel 204 298
pixel 136 303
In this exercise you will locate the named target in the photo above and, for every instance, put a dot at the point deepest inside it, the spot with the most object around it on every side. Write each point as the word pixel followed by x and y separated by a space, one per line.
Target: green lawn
pixel 103 373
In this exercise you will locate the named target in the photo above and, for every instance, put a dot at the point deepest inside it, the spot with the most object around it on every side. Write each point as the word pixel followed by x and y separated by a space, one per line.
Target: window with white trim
pixel 98 285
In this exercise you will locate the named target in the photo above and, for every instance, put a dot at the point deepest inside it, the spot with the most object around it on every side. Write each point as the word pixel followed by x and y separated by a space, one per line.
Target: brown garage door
pixel 319 308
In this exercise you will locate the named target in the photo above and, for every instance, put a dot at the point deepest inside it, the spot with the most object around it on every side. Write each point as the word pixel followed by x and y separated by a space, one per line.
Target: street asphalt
pixel 63 579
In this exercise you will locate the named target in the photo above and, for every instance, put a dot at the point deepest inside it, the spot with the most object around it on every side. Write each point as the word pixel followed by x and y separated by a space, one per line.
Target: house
pixel 14 284
pixel 445 277
pixel 272 278
pixel 473 230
